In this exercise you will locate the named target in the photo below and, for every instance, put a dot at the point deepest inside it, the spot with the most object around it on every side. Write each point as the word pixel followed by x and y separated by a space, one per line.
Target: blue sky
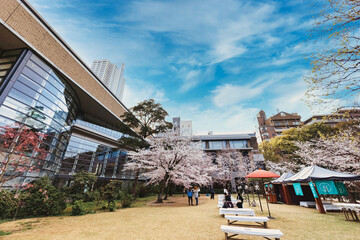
pixel 216 63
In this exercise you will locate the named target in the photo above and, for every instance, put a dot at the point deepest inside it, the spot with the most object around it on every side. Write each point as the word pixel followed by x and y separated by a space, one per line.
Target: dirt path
pixel 176 220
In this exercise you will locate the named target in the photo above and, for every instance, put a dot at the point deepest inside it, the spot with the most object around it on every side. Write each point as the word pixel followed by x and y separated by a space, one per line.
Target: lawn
pixel 175 220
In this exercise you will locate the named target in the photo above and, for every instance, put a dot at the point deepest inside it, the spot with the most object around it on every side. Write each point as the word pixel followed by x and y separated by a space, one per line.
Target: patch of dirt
pixel 22 225
pixel 176 201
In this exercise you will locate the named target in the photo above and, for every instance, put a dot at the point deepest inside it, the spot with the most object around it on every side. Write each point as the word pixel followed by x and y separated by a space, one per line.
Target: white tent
pixel 283 177
pixel 314 173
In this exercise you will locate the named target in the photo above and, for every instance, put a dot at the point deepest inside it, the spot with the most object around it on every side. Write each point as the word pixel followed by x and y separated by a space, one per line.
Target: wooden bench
pixel 231 232
pixel 235 219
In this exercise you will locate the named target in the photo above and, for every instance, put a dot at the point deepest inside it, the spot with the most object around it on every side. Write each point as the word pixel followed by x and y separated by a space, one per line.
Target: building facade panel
pixel 36 34
pixel 32 100
pixel 7 8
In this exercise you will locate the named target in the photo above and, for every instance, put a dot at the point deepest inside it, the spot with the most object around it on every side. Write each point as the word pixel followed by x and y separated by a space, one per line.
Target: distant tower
pixel 184 128
pixel 110 75
pixel 176 124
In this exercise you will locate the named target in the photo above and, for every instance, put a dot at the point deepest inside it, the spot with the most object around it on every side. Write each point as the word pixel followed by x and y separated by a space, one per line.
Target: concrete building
pixel 110 75
pixel 341 115
pixel 245 144
pixel 183 127
pixel 45 86
pixel 275 125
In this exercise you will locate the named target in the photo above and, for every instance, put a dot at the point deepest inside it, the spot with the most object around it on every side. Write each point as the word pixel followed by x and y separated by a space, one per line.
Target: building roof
pixel 283 177
pixel 318 173
pixel 284 115
pixel 224 136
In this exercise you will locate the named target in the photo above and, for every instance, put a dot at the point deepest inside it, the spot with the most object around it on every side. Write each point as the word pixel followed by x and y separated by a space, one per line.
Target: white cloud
pixel 137 91
pixel 229 94
pixel 234 119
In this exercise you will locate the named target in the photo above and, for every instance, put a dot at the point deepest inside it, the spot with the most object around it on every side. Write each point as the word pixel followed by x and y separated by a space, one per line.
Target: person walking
pixel 212 194
pixel 184 189
pixel 196 195
pixel 190 196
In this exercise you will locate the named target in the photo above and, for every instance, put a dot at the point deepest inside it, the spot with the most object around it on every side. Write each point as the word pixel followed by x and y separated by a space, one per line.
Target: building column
pixel 104 164
pixel 74 165
pixel 92 162
pixel 116 164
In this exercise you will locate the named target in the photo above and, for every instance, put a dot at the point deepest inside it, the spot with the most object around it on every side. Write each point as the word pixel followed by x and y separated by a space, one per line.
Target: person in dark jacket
pixel 212 194
pixel 228 197
pixel 240 199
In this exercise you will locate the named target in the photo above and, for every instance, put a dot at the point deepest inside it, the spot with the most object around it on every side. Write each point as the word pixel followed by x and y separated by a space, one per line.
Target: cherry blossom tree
pixel 283 166
pixel 171 158
pixel 340 152
pixel 231 165
pixel 21 153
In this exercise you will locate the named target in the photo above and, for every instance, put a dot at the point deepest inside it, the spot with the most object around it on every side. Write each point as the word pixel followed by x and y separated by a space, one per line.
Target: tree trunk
pixel 172 189
pixel 163 184
pixel 167 191
pixel 135 183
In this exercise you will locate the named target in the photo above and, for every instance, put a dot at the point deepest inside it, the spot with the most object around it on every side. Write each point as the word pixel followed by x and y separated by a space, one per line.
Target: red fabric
pixel 262 174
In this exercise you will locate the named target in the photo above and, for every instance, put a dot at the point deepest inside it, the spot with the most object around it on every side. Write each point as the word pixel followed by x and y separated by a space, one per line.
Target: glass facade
pixel 213 145
pixel 238 144
pixel 93 156
pixel 39 98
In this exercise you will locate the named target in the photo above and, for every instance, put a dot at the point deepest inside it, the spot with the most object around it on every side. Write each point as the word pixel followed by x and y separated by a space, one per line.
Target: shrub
pixel 126 200
pixel 43 199
pixel 82 182
pixel 78 208
pixel 7 208
pixel 112 206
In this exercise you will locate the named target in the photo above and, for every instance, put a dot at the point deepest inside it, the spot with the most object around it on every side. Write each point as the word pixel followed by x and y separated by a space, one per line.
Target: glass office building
pixel 36 96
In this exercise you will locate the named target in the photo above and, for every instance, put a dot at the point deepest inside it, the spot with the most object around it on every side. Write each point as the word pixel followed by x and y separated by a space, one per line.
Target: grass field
pixel 175 220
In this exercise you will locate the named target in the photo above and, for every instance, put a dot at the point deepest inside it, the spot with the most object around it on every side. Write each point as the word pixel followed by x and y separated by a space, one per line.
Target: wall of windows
pixel 93 156
pixel 238 144
pixel 39 98
pixel 213 145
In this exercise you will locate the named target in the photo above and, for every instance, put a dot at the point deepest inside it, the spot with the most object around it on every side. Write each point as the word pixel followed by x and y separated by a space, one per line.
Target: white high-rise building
pixel 182 127
pixel 110 75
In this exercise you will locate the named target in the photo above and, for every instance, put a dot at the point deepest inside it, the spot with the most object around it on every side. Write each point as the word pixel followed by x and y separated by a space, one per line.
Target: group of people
pixel 228 202
pixel 193 192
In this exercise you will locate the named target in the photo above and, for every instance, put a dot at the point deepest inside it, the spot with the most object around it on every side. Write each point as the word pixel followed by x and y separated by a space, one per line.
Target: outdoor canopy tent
pixel 283 177
pixel 314 173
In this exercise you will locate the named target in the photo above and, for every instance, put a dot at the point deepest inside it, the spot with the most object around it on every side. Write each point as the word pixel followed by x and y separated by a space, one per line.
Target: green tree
pixel 82 182
pixel 335 66
pixel 283 147
pixel 148 118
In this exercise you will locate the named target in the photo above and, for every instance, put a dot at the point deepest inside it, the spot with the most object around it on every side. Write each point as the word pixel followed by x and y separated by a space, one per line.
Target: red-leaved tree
pixel 21 152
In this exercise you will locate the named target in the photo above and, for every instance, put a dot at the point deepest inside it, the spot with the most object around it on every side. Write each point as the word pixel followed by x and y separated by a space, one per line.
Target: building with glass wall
pixel 47 92
pixel 245 144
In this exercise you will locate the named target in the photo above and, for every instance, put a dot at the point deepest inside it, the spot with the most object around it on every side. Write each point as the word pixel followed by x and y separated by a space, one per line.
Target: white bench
pixel 308 204
pixel 237 211
pixel 265 233
pixel 234 219
pixel 330 207
pixel 220 204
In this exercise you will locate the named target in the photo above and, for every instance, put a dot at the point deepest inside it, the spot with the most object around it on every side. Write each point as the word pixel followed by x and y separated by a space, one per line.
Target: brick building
pixel 275 125
pixel 341 115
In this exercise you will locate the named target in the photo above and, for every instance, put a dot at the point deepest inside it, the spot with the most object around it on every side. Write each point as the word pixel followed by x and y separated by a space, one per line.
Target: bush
pixel 7 208
pixel 43 199
pixel 112 206
pixel 112 190
pixel 126 200
pixel 81 184
pixel 78 208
